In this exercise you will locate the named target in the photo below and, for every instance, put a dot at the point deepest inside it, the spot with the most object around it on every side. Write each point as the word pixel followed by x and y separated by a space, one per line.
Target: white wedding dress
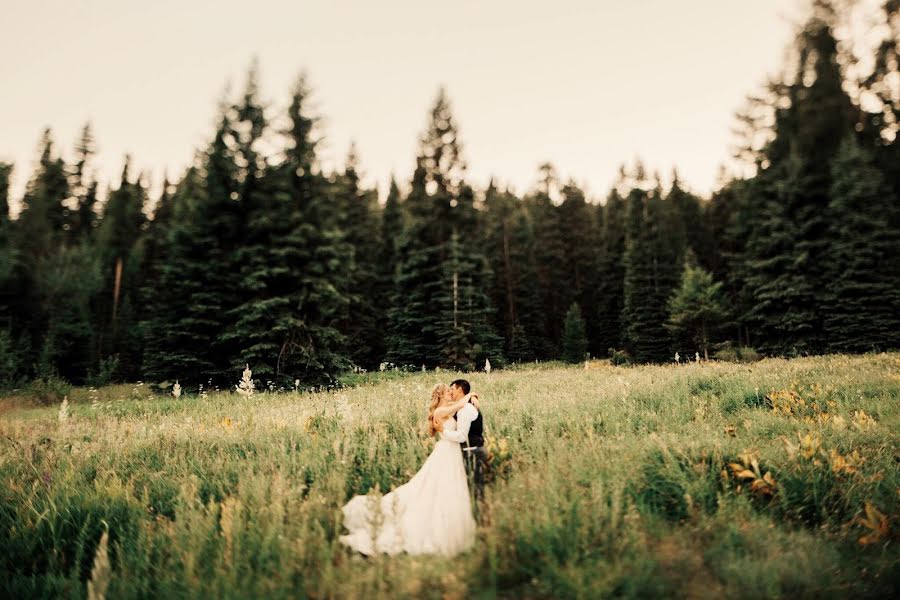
pixel 429 514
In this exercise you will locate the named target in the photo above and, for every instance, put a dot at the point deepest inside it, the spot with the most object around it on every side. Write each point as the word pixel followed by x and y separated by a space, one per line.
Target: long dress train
pixel 429 514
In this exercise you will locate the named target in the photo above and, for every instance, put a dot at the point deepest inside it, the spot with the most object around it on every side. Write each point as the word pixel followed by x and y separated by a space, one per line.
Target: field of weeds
pixel 779 478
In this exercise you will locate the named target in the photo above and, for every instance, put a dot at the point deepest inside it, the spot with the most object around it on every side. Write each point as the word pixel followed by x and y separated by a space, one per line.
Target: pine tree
pixel 464 331
pixel 359 221
pixel 441 309
pixel 392 225
pixel 718 216
pixel 171 352
pixel 696 310
pixel 692 225
pixel 881 126
pixel 574 336
pixel 38 235
pixel 508 242
pixel 10 360
pixel 519 348
pixel 728 232
pixel 783 299
pixel 611 276
pixel 652 269
pixel 154 255
pixel 6 170
pixel 578 220
pixel 82 218
pixel 862 299
pixel 118 251
pixel 294 262
pixel 411 340
pixel 6 265
pixel 201 277
pixel 41 219
pixel 66 283
pixel 785 207
pixel 550 264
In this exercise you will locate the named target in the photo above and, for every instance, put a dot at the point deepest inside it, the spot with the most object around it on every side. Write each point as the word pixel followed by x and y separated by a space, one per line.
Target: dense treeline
pixel 257 256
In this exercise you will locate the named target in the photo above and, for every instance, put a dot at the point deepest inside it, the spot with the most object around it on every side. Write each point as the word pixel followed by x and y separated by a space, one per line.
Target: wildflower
pixel 176 390
pixel 862 421
pixel 808 446
pixel 245 387
pixel 64 409
pixel 231 509
pixel 343 406
pixel 761 484
pixel 876 523
pixel 845 464
pixel 487 366
pixel 101 571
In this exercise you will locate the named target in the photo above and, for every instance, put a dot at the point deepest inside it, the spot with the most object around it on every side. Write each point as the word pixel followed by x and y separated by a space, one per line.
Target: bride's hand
pixel 475 401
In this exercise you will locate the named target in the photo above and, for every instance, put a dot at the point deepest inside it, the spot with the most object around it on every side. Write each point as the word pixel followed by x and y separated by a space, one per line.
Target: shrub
pixel 673 484
pixel 728 352
pixel 10 364
pixel 620 357
pixel 50 390
pixel 575 341
pixel 105 371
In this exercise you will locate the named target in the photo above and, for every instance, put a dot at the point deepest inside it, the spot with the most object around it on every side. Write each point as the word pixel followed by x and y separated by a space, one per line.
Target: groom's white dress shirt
pixel 464 418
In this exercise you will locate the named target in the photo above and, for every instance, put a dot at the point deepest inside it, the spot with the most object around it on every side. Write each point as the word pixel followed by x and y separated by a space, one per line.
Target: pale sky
pixel 585 84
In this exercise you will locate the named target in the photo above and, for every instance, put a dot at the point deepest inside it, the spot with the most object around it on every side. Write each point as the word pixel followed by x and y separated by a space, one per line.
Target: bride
pixel 429 514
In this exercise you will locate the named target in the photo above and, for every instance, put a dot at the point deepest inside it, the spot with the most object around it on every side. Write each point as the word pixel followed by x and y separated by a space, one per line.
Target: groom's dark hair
pixel 463 385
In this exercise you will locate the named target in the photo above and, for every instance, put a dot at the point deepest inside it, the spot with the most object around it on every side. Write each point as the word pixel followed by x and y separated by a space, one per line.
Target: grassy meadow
pixel 778 478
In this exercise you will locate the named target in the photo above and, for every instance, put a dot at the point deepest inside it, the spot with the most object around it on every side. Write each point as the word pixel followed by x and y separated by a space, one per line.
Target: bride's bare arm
pixel 443 412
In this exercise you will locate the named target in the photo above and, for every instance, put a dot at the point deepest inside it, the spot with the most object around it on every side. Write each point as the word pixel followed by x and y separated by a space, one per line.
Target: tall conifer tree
pixel 441 266
pixel 653 262
pixel 120 262
pixel 550 261
pixel 787 225
pixel 862 300
pixel 611 276
pixel 359 220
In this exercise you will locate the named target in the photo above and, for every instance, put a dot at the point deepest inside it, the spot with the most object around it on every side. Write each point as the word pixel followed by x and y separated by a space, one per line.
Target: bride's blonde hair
pixel 437 396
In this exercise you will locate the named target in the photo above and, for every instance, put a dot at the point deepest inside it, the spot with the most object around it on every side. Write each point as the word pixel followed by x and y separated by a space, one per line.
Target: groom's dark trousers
pixel 475 459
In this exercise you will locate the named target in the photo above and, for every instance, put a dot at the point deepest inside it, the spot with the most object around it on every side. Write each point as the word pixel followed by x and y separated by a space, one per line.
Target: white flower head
pixel 245 387
pixel 64 409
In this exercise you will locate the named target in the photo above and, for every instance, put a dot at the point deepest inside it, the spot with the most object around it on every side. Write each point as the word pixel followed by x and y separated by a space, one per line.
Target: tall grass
pixel 690 480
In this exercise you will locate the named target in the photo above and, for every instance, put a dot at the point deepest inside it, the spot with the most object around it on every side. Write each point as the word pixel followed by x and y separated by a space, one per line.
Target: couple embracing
pixel 432 512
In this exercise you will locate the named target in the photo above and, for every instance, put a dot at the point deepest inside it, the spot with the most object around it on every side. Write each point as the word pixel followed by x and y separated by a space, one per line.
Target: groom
pixel 474 456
